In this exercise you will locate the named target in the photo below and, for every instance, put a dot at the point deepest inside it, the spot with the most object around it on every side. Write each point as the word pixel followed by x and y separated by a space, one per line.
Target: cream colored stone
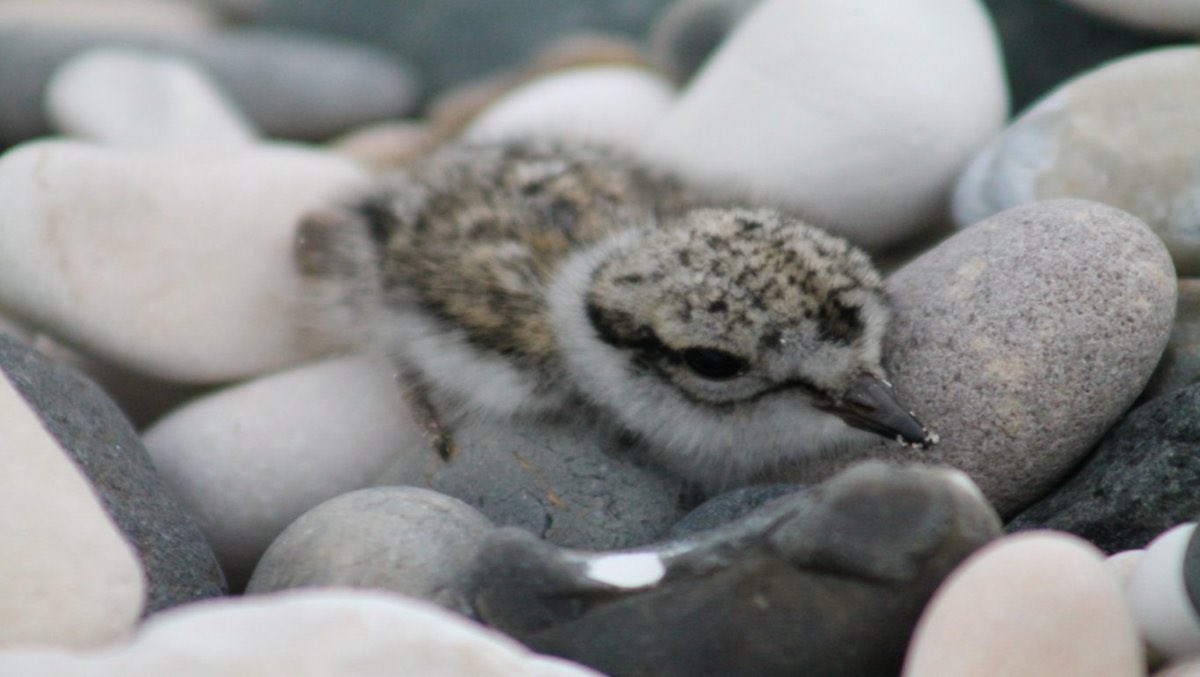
pixel 173 263
pixel 316 633
pixel 1123 564
pixel 68 577
pixel 1036 604
pixel 386 144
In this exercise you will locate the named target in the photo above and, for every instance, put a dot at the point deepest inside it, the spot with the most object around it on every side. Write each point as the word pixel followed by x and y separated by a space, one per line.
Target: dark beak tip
pixel 870 404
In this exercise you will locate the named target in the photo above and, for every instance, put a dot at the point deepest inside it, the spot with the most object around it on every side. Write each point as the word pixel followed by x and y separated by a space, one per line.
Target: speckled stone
pixel 1022 339
pixel 1180 363
pixel 1140 481
pixel 573 484
pixel 1122 135
pixel 411 541
pixel 179 563
pixel 823 582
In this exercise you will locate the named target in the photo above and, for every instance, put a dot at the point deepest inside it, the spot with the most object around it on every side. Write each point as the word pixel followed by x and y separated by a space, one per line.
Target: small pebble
pixel 249 459
pixel 411 541
pixel 1038 605
pixel 1159 599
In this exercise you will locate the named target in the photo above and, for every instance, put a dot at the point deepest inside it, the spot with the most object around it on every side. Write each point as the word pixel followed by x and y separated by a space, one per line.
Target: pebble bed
pixel 194 481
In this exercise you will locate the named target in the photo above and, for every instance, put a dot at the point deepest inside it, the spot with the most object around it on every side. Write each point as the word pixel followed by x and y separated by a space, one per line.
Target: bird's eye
pixel 713 364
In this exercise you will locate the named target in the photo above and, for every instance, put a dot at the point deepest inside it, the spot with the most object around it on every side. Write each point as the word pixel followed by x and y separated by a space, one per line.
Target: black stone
pixel 179 564
pixel 1142 479
pixel 829 581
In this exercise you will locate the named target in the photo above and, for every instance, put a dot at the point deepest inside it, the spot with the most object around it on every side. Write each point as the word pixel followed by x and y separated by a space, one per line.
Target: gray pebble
pixel 689 30
pixel 413 541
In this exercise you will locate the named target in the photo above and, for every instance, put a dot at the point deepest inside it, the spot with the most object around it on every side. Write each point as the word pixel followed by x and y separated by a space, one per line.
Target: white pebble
pixel 68 577
pixel 313 633
pixel 857 112
pixel 1035 604
pixel 133 97
pixel 1156 592
pixel 250 459
pixel 605 104
pixel 176 264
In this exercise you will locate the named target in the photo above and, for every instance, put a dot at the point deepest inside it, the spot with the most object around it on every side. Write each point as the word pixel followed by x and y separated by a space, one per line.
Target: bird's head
pixel 732 339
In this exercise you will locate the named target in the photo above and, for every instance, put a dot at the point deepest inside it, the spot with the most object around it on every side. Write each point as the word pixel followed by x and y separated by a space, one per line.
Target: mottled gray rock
pixel 572 483
pixel 431 34
pixel 689 30
pixel 1139 482
pixel 416 542
pixel 827 582
pixel 724 508
pixel 179 564
pixel 1180 363
pixel 290 85
pixel 1122 135
pixel 1022 339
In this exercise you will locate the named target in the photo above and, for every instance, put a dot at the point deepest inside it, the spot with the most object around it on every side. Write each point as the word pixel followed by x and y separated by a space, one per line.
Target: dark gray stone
pixel 290 85
pixel 451 41
pixel 1142 479
pixel 412 541
pixel 725 508
pixel 1180 363
pixel 828 581
pixel 572 483
pixel 179 564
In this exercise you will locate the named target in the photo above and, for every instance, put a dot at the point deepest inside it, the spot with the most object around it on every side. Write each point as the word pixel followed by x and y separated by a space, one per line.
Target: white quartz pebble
pixel 134 97
pixel 1159 600
pixel 605 104
pixel 1035 604
pixel 68 577
pixel 250 459
pixel 1168 16
pixel 314 633
pixel 176 264
pixel 858 113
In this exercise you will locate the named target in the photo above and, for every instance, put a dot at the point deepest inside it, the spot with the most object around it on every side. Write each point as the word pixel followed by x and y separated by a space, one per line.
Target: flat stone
pixel 1180 363
pixel 290 85
pixel 249 459
pixel 1139 482
pixel 178 563
pixel 130 97
pixel 415 542
pixel 68 577
pixel 1034 604
pixel 778 111
pixel 1121 134
pixel 824 582
pixel 312 633
pixel 176 264
pixel 1023 339
pixel 615 105
pixel 572 483
pixel 1159 598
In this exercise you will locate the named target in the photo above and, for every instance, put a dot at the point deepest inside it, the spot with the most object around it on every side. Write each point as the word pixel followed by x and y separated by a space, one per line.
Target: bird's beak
pixel 870 404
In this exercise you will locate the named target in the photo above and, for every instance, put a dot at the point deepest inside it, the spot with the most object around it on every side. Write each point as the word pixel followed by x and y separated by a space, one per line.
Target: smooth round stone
pixel 865 132
pixel 68 577
pixel 411 541
pixel 178 563
pixel 1022 339
pixel 1123 564
pixel 1121 134
pixel 313 633
pixel 688 31
pixel 1139 482
pixel 1180 363
pixel 130 97
pixel 824 582
pixel 1168 16
pixel 176 264
pixel 616 105
pixel 1035 604
pixel 1159 599
pixel 290 85
pixel 248 460
pixel 157 16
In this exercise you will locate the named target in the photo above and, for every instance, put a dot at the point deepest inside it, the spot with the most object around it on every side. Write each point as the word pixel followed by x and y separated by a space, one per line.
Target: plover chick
pixel 546 279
